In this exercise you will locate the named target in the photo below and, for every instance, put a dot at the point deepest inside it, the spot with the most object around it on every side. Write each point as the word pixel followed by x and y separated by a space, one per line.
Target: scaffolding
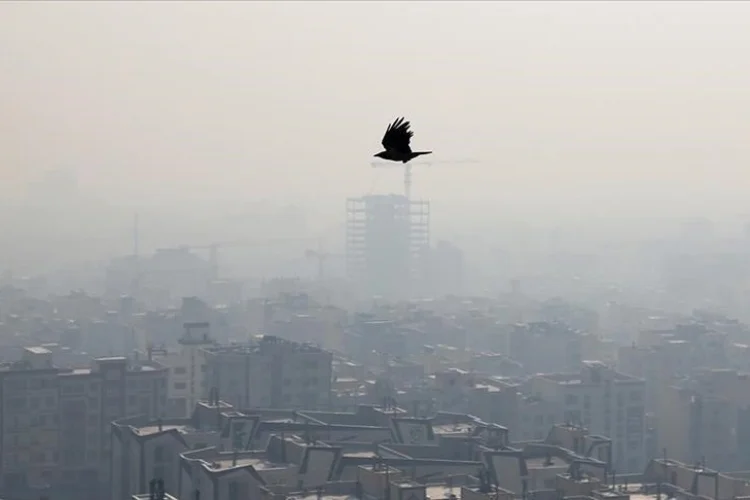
pixel 387 242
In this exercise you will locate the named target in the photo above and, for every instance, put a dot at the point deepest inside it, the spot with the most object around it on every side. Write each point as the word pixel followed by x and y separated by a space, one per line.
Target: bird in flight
pixel 396 143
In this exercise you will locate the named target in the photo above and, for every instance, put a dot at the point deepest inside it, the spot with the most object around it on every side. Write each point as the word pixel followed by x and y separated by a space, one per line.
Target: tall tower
pixel 387 241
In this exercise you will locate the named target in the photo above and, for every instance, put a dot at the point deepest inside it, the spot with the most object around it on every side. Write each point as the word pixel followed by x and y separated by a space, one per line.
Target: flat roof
pixel 257 463
pixel 38 350
pixel 147 430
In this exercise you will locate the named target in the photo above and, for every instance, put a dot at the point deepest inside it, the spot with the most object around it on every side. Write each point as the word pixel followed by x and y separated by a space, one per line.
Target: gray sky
pixel 281 99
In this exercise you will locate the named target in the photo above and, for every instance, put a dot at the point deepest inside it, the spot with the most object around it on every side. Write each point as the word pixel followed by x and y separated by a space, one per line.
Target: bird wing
pixel 398 136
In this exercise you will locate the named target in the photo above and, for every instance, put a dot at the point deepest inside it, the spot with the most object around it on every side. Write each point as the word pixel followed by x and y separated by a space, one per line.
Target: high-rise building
pixel 387 243
pixel 55 429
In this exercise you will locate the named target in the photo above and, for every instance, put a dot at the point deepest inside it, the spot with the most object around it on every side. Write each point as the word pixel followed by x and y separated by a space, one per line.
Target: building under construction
pixel 387 243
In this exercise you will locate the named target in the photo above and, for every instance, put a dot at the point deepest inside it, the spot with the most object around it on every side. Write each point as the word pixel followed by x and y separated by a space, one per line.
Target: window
pixel 15 385
pixel 17 403
pixel 180 370
pixel 159 456
pixel 180 385
pixel 571 399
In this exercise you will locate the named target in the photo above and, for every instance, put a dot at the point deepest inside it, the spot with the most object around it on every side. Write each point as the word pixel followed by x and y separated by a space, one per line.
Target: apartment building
pixel 187 369
pixel 299 318
pixel 56 422
pixel 274 373
pixel 144 448
pixel 30 413
pixel 706 418
pixel 545 347
pixel 605 402
pixel 659 365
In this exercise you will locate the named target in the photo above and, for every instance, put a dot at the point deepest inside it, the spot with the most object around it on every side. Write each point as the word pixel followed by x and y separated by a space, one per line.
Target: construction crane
pixel 408 167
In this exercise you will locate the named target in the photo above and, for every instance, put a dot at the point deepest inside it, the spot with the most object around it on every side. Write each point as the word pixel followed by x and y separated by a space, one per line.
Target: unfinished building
pixel 387 244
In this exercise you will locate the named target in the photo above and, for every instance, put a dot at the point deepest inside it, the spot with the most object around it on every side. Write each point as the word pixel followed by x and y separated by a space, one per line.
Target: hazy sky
pixel 285 99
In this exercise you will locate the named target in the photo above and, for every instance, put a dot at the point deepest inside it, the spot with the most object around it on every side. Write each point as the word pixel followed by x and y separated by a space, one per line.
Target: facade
pixel 545 347
pixel 187 369
pixel 387 243
pixel 274 373
pixel 605 402
pixel 144 449
pixel 55 422
pixel 706 418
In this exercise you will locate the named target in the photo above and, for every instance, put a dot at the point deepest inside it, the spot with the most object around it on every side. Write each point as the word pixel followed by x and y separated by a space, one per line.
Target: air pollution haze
pixel 222 279
pixel 572 110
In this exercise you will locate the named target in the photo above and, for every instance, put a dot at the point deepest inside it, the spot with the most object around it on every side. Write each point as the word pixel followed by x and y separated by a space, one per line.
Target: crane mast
pixel 408 170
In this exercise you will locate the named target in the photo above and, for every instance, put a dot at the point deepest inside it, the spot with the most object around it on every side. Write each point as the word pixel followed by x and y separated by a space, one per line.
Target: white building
pixel 187 369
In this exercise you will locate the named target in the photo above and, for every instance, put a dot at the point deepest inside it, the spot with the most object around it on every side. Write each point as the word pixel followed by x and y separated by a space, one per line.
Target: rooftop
pixel 148 430
pixel 38 350
pixel 147 496
pixel 461 428
pixel 266 342
pixel 257 463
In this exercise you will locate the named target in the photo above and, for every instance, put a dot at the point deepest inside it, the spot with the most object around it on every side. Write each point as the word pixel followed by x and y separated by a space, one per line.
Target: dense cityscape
pixel 212 288
pixel 172 382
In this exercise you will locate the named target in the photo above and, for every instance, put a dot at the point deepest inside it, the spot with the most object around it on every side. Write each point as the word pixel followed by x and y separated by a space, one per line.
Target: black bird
pixel 396 143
